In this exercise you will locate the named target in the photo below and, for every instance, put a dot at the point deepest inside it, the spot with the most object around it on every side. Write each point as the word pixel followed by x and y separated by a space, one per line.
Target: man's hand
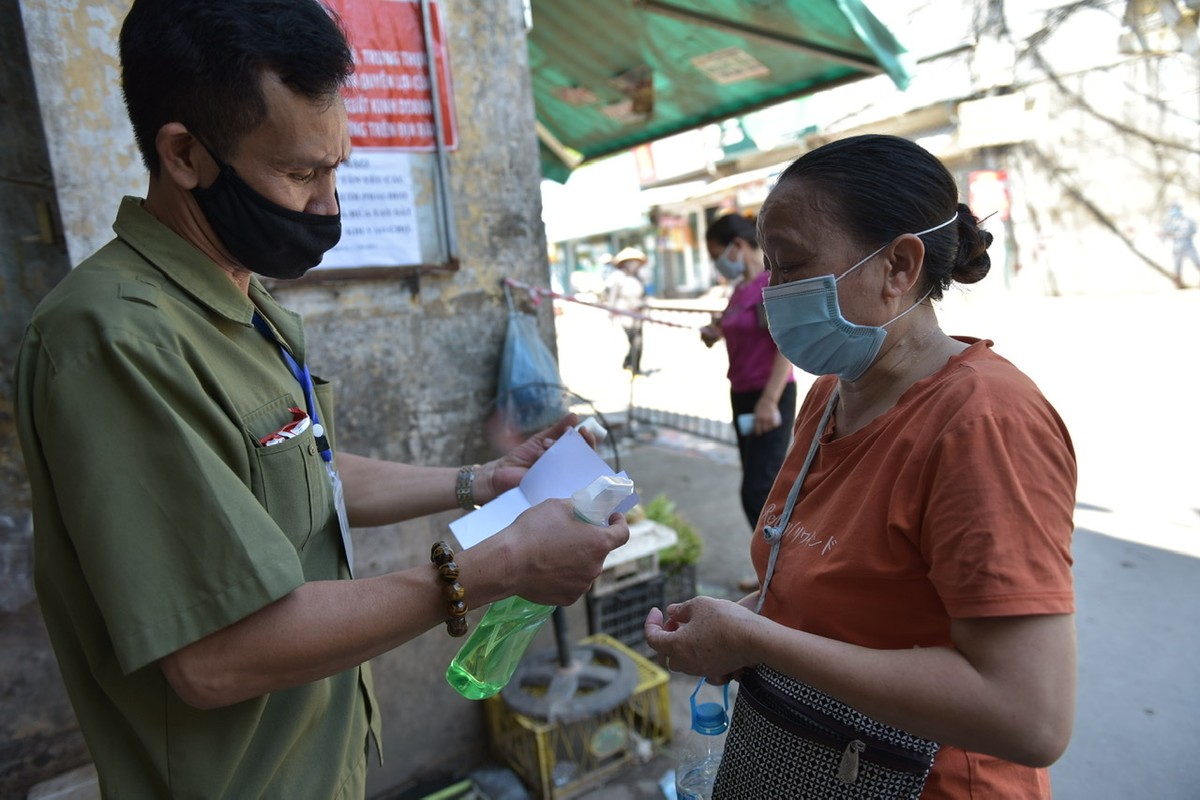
pixel 497 477
pixel 553 555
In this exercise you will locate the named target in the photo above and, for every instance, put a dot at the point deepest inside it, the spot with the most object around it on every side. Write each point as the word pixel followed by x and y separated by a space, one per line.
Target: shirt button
pixel 312 448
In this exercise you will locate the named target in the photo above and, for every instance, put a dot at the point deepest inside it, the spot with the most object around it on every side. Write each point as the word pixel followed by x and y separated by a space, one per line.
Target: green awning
pixel 609 75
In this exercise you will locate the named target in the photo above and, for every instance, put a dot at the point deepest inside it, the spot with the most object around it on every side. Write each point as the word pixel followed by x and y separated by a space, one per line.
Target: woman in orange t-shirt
pixel 914 553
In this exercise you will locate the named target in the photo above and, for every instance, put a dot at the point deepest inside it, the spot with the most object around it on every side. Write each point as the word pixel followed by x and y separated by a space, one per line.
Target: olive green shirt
pixel 142 390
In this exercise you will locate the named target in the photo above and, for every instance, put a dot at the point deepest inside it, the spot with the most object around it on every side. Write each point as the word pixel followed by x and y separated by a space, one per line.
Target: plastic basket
pixel 679 583
pixel 622 614
pixel 559 760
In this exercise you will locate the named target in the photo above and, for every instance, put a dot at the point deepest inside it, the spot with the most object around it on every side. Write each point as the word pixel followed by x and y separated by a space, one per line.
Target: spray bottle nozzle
pixel 597 430
pixel 597 501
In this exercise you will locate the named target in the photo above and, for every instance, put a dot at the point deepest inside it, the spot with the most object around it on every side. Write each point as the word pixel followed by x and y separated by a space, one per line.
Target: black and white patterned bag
pixel 789 740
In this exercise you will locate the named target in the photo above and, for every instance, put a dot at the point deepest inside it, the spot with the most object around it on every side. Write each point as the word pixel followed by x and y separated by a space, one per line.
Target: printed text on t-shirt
pixel 796 531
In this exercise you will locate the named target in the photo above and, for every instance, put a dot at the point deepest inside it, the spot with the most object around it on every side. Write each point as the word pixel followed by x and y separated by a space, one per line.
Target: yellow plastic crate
pixel 561 759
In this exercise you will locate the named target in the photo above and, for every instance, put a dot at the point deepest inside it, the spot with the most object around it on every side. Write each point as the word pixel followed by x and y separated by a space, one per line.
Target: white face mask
pixel 808 327
pixel 730 269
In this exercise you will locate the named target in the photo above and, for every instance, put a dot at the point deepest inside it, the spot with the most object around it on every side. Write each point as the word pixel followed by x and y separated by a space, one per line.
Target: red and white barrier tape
pixel 536 293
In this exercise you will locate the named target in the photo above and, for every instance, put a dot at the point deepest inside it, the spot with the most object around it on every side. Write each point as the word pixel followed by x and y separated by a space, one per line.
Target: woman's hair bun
pixel 972 262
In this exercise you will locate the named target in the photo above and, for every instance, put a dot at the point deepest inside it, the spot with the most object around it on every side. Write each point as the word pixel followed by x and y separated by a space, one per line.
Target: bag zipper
pixel 816 726
pixel 848 765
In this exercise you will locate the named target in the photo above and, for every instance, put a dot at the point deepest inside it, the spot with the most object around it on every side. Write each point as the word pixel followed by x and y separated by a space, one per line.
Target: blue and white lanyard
pixel 773 534
pixel 301 374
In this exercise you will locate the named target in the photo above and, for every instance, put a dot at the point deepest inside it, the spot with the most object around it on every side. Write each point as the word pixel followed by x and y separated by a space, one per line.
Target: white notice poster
pixel 379 227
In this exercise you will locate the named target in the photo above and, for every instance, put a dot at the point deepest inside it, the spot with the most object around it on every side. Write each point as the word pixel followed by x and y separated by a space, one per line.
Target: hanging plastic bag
pixel 530 391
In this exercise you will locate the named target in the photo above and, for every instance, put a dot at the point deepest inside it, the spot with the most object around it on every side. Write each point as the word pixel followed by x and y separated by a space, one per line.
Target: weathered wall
pixel 1093 190
pixel 73 51
pixel 37 728
pixel 414 360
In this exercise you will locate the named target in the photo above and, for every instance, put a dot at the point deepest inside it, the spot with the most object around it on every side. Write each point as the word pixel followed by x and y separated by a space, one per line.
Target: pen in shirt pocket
pixel 299 424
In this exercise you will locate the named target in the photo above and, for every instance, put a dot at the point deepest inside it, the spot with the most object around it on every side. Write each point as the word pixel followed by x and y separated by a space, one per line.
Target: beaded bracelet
pixel 442 555
pixel 464 487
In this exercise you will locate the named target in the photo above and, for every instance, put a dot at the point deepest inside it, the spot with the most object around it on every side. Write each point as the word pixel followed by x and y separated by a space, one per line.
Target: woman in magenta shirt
pixel 760 379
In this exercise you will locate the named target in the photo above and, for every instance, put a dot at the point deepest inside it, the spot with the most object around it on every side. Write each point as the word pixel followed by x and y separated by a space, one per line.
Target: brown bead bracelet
pixel 442 555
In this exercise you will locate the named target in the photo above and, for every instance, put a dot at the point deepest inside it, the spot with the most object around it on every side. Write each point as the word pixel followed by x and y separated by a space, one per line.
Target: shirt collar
pixel 196 274
pixel 181 262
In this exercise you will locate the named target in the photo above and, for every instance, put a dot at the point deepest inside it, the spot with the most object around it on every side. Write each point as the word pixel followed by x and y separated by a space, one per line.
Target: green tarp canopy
pixel 609 75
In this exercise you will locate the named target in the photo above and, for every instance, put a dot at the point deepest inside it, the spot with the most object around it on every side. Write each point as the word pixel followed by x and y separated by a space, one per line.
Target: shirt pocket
pixel 287 477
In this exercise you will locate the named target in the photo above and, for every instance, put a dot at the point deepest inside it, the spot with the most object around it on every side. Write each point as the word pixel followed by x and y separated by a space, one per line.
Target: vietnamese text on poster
pixel 378 216
pixel 390 111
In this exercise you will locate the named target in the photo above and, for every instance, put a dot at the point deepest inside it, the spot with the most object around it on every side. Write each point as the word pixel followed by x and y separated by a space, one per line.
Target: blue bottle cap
pixel 710 719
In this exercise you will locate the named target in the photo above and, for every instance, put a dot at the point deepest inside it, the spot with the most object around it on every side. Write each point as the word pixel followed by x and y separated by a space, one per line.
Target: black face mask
pixel 266 238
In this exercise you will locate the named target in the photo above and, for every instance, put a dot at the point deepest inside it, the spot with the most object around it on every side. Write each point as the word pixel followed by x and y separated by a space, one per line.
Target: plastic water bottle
pixel 490 656
pixel 702 749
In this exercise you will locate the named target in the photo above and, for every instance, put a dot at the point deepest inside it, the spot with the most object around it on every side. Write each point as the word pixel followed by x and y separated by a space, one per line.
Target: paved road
pixel 1122 372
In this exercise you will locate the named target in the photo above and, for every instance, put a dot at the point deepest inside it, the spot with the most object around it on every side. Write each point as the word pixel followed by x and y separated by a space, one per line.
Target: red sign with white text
pixel 389 98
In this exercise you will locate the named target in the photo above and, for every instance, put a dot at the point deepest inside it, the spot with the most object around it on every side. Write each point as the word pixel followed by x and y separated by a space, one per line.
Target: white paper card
pixel 568 466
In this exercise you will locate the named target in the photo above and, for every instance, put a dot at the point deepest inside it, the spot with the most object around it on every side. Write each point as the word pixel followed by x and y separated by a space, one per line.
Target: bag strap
pixel 773 534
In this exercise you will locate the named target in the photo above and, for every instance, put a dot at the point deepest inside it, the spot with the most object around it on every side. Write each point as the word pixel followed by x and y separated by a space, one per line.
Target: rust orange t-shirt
pixel 956 503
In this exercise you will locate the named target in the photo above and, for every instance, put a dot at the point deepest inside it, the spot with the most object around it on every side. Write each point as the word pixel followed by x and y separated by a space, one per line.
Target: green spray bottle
pixel 490 656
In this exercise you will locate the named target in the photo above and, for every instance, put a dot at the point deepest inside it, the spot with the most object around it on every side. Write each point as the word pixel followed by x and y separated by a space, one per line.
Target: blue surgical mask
pixel 808 327
pixel 730 270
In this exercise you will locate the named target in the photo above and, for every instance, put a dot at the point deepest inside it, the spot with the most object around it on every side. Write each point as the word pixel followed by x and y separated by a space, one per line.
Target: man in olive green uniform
pixel 191 510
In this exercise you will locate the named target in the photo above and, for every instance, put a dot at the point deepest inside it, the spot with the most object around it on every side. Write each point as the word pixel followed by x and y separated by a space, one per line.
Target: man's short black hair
pixel 201 62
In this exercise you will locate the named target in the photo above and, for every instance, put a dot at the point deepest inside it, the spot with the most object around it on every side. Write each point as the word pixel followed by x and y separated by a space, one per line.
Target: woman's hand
pixel 766 416
pixel 710 335
pixel 704 636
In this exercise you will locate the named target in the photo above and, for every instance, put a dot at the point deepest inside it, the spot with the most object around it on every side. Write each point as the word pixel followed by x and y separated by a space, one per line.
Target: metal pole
pixel 443 167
